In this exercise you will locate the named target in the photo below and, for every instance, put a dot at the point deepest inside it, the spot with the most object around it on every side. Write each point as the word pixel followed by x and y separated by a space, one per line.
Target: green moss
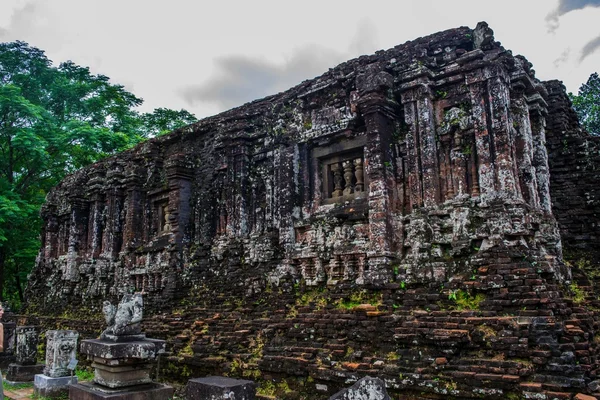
pixel 577 295
pixel 465 301
pixel 266 388
pixel 307 124
pixel 360 297
pixel 314 297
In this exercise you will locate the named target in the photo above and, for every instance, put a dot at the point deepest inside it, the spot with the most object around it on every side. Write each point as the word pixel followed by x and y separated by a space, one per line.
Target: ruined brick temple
pixel 428 215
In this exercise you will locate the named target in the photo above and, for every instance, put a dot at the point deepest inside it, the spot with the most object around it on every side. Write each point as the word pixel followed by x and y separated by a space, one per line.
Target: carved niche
pixel 339 171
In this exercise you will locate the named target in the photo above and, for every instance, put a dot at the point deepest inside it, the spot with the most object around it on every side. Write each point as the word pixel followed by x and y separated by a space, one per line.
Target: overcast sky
pixel 207 57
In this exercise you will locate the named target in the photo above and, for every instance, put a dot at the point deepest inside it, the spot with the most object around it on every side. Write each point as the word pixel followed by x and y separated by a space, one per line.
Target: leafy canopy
pixel 53 121
pixel 587 104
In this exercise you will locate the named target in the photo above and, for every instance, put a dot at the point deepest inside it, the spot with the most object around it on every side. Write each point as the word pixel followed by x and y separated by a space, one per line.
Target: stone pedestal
pixel 122 364
pixel 122 369
pixel 149 391
pixel 23 373
pixel 60 350
pixel 220 388
pixel 45 386
pixel 26 366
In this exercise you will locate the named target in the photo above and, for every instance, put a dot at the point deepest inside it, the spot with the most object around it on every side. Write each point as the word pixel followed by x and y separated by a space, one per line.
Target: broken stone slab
pixel 366 388
pixel 27 343
pixel 146 349
pixel 46 386
pixel 92 391
pixel 220 388
pixel 61 346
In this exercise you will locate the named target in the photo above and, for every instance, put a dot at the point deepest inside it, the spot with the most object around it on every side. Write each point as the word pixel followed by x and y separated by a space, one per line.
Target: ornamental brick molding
pixel 427 215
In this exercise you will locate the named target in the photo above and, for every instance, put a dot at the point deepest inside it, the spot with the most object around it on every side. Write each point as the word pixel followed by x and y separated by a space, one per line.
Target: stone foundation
pixel 90 391
pixel 47 386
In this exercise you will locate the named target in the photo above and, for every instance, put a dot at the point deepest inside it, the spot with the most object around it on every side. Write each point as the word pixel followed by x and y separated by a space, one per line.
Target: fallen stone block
pixel 220 388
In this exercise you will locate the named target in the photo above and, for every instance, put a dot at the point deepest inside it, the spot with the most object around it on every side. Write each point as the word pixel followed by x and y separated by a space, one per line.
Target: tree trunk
pixel 2 261
pixel 18 283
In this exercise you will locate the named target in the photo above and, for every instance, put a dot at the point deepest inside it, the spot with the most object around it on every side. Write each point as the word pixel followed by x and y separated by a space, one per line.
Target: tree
pixel 164 120
pixel 53 121
pixel 587 104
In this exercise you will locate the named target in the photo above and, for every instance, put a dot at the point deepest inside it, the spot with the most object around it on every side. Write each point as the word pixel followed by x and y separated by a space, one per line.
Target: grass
pixel 16 386
pixel 84 374
pixel 358 298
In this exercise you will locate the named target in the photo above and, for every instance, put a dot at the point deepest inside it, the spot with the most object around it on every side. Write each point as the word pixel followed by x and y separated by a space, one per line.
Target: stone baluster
pixel 348 177
pixel 358 173
pixel 337 180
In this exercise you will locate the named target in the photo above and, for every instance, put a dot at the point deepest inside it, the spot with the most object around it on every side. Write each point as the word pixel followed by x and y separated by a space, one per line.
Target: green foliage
pixel 578 295
pixel 464 300
pixel 53 121
pixel 587 104
pixel 164 120
pixel 360 297
pixel 266 388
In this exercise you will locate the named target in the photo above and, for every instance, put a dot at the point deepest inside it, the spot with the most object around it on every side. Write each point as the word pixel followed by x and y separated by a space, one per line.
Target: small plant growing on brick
pixel 464 300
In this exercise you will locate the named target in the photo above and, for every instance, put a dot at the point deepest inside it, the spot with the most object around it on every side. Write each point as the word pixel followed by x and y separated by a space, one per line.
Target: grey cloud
pixel 563 58
pixel 590 48
pixel 22 19
pixel 565 6
pixel 241 78
pixel 365 38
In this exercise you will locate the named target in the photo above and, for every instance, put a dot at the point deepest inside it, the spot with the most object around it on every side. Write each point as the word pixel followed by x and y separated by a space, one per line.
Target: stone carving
pixel 123 320
pixel 122 357
pixel 27 342
pixel 61 347
pixel 366 388
pixel 26 366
